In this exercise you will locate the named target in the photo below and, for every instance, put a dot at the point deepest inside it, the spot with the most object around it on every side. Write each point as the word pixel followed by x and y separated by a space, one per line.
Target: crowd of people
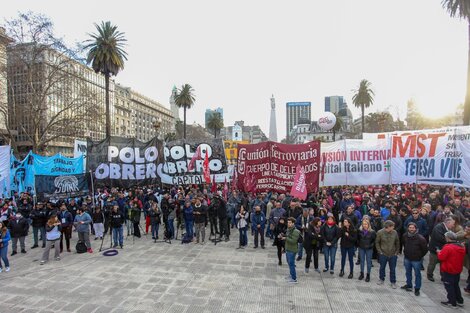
pixel 367 223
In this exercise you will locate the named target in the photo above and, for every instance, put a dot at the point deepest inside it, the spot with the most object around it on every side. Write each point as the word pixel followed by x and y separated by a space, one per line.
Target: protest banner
pixel 57 165
pixel 61 187
pixel 178 155
pixel 273 165
pixel 124 162
pixel 5 152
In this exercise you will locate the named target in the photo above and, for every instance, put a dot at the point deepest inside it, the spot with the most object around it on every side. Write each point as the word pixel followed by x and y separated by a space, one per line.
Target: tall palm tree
pixel 338 126
pixel 106 55
pixel 215 123
pixel 185 99
pixel 461 9
pixel 363 98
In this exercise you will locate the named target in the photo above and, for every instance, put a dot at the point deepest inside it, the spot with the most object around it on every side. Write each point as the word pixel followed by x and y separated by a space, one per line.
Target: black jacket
pixel 25 209
pixel 98 217
pixel 18 228
pixel 117 219
pixel 351 240
pixel 200 218
pixel 312 239
pixel 39 217
pixel 366 241
pixel 154 216
pixel 330 234
pixel 438 239
pixel 414 247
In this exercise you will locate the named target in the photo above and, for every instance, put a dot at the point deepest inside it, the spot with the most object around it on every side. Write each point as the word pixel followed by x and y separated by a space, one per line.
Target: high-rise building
pixel 334 104
pixel 297 112
pixel 210 112
pixel 272 121
pixel 174 109
pixel 4 41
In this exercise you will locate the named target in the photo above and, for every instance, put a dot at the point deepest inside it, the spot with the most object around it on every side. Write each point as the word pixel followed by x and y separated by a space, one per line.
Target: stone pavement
pixel 158 277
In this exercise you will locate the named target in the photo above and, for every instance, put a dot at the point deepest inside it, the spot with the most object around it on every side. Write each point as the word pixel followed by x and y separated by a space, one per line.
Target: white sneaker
pixel 380 282
pixel 7 269
pixel 394 286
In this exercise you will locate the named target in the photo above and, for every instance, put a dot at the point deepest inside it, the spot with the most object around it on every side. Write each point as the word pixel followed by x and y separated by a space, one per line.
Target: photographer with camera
pixel 53 228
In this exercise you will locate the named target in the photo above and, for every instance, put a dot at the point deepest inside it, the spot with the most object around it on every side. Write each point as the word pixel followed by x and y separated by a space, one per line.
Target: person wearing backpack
pixel 53 228
pixel 82 224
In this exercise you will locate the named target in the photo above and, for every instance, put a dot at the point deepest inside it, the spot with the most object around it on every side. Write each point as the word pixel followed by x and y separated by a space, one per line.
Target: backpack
pixel 81 247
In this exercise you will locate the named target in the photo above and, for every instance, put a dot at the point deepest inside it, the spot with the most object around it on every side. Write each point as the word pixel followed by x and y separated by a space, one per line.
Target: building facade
pixel 297 113
pixel 339 107
pixel 241 132
pixel 303 133
pixel 4 42
pixel 272 121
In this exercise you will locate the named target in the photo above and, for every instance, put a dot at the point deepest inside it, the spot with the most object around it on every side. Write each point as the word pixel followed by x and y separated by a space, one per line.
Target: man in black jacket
pixel 18 231
pixel 117 219
pixel 437 241
pixel 200 215
pixel 39 220
pixel 415 248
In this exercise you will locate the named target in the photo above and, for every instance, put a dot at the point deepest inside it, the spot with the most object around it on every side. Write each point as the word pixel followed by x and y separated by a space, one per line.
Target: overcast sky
pixel 237 53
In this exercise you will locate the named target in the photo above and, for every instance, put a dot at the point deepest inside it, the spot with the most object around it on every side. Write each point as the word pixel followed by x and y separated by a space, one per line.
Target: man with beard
pixel 72 208
pixel 295 210
pixel 415 248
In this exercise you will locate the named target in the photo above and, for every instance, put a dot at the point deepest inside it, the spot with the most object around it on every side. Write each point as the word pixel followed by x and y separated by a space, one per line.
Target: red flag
pixel 207 171
pixel 196 156
pixel 214 185
pixel 299 189
pixel 225 189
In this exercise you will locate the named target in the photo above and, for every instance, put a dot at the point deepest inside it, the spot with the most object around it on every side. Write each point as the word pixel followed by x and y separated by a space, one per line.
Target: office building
pixel 4 42
pixel 297 113
pixel 241 132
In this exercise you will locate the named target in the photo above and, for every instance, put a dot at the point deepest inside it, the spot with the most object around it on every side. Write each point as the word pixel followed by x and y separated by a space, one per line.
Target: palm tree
pixel 216 123
pixel 106 55
pixel 363 98
pixel 461 9
pixel 185 99
pixel 338 126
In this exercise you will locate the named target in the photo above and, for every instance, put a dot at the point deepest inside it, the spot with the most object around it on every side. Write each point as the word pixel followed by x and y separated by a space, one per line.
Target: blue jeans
pixel 43 235
pixel 189 229
pixel 349 252
pixel 301 250
pixel 155 230
pixel 290 257
pixel 233 219
pixel 330 254
pixel 118 236
pixel 392 264
pixel 416 267
pixel 171 228
pixel 243 237
pixel 363 254
pixel 4 255
pixel 269 233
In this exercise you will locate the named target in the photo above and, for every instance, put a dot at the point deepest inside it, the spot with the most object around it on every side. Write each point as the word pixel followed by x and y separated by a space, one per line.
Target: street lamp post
pixel 157 124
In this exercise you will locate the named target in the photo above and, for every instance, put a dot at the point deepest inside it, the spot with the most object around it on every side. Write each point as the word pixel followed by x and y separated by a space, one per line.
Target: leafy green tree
pixel 378 122
pixel 185 99
pixel 363 98
pixel 461 9
pixel 215 123
pixel 106 56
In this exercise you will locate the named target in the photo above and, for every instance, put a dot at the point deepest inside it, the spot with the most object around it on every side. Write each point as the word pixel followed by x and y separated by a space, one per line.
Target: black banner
pixel 61 187
pixel 178 155
pixel 124 162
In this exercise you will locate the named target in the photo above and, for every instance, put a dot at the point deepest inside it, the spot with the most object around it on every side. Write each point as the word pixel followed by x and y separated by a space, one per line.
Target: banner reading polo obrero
pixel 124 162
pixel 178 155
pixel 355 162
pixel 273 165
pixel 437 157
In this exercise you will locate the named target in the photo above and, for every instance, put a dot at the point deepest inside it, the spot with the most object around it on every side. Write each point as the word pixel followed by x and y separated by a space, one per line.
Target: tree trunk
pixel 362 112
pixel 184 125
pixel 466 107
pixel 108 116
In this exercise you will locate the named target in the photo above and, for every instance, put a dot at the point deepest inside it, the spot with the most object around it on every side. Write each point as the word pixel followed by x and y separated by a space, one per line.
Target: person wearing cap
pixel 53 233
pixel 451 257
pixel 414 249
pixel 39 219
pixel 436 242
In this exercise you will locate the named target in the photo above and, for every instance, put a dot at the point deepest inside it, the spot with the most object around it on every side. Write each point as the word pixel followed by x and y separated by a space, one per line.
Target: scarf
pixel 330 223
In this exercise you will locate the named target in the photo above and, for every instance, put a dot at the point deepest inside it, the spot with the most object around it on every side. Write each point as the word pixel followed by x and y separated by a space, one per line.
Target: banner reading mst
pixel 273 165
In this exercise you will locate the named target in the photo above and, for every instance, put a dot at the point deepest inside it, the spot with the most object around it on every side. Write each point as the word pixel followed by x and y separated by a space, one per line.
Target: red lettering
pixel 410 145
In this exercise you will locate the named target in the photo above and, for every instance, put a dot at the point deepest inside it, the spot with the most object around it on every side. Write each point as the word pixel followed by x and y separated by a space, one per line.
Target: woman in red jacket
pixel 451 257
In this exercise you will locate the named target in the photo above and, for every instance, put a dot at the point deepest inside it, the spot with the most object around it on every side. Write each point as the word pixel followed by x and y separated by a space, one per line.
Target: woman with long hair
pixel 4 240
pixel 366 242
pixel 330 233
pixel 348 243
pixel 52 236
pixel 280 232
pixel 312 243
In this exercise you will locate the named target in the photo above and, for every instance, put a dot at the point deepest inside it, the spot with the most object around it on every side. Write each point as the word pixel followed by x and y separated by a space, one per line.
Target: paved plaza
pixel 159 277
